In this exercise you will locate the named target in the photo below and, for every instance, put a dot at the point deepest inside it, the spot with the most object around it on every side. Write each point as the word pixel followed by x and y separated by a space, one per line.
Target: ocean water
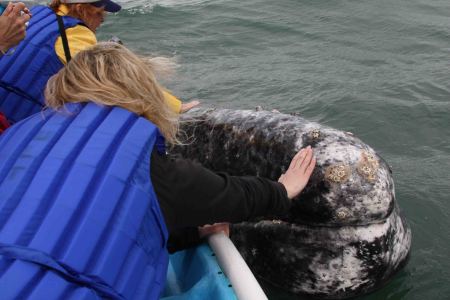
pixel 379 69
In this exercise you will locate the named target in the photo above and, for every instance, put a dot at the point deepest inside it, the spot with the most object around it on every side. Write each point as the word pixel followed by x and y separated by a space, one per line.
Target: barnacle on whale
pixel 368 167
pixel 337 173
pixel 315 134
pixel 343 213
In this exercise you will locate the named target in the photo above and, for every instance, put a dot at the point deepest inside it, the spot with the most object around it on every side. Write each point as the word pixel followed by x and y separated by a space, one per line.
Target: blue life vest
pixel 79 218
pixel 24 74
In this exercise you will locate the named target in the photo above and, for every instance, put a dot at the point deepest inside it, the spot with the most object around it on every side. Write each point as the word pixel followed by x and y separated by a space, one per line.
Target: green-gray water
pixel 379 69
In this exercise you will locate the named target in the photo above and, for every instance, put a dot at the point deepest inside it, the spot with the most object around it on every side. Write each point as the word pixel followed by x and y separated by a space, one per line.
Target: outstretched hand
pixel 299 172
pixel 188 106
pixel 13 25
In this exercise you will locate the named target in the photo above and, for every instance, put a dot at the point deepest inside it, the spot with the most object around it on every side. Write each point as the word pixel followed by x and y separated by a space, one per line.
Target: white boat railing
pixel 244 283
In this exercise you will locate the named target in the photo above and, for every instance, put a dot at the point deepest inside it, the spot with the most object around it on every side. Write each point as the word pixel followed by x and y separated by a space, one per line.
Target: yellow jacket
pixel 80 37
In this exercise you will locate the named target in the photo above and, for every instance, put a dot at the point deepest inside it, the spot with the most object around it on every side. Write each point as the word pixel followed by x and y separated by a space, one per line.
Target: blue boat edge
pixel 195 274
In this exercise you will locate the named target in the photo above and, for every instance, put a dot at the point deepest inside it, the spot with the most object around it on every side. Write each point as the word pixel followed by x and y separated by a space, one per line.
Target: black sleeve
pixel 183 238
pixel 191 195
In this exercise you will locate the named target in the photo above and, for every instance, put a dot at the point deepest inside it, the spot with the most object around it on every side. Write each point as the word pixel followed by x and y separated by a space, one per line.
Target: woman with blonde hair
pixel 90 195
pixel 55 34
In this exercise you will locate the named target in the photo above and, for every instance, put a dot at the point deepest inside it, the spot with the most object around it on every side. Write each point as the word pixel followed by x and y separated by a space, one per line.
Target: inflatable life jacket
pixel 79 218
pixel 24 74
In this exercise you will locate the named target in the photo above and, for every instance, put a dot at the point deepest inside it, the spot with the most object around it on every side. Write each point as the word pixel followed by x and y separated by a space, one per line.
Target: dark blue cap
pixel 108 5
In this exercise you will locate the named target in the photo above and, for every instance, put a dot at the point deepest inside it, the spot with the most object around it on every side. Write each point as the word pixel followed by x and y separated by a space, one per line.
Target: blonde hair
pixel 110 74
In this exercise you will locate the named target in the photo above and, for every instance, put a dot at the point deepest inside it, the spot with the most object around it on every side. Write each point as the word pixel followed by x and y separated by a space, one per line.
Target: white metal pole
pixel 233 265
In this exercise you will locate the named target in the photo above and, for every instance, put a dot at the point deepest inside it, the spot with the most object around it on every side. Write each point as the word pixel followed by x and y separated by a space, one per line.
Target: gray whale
pixel 344 235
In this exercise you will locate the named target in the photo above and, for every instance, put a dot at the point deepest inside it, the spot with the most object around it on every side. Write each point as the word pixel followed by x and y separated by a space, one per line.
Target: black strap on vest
pixel 65 42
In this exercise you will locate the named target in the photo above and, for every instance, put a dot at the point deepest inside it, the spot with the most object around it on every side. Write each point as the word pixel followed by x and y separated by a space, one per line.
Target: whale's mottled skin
pixel 344 235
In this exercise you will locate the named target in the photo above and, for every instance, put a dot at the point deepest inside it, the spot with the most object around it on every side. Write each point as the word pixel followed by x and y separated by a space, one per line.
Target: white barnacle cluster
pixel 315 134
pixel 351 169
pixel 368 167
pixel 343 213
pixel 337 173
pixel 354 173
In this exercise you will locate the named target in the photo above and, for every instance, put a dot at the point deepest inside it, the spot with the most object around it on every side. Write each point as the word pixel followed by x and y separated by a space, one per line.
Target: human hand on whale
pixel 297 175
pixel 294 181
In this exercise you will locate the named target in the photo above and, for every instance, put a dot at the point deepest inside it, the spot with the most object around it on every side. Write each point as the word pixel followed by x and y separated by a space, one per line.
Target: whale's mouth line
pixel 379 220
pixel 340 226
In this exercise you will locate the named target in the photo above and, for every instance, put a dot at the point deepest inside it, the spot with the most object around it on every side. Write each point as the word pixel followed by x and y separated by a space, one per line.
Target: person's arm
pixel 13 25
pixel 191 195
pixel 183 238
pixel 176 105
pixel 173 102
